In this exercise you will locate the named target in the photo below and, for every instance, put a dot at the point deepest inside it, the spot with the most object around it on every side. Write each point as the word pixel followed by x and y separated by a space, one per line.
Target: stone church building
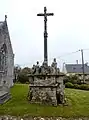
pixel 6 55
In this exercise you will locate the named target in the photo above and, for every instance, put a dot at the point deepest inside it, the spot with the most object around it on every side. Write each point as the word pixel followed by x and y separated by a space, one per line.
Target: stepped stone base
pixel 49 90
pixel 46 84
pixel 4 94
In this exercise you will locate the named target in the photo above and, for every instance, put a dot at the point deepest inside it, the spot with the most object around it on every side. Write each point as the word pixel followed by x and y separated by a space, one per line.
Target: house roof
pixel 77 68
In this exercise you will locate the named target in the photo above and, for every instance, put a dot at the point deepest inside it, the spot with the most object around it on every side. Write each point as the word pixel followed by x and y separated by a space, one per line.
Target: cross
pixel 5 17
pixel 45 32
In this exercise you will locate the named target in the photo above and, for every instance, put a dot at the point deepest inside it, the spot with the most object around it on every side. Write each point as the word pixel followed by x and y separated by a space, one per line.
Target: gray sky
pixel 68 29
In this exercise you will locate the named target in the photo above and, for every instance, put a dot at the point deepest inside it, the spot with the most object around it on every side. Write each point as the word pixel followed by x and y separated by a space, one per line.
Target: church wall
pixel 4 38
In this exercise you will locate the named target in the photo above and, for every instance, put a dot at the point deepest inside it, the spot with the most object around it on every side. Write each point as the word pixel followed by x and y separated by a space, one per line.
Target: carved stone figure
pixel 33 70
pixel 54 66
pixel 37 68
pixel 44 68
pixel 54 63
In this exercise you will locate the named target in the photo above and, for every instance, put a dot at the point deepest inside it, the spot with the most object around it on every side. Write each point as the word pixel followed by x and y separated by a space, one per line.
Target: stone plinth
pixel 46 89
pixel 46 86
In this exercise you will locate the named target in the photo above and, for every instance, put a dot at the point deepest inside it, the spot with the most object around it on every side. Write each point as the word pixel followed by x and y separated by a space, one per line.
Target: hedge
pixel 69 85
pixel 77 86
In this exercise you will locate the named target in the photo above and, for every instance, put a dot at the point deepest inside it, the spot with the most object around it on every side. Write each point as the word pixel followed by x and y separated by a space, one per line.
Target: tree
pixel 26 70
pixel 17 70
pixel 22 77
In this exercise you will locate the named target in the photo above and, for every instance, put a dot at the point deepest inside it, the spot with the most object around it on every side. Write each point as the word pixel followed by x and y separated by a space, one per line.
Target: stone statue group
pixel 45 69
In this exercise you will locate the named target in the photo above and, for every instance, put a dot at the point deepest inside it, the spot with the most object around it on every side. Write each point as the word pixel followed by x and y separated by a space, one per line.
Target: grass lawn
pixel 78 104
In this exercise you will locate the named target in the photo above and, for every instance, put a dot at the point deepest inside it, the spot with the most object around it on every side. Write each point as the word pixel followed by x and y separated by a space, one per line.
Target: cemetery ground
pixel 78 104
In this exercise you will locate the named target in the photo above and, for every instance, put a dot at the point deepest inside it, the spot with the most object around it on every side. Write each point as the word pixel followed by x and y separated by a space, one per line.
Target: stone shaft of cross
pixel 45 32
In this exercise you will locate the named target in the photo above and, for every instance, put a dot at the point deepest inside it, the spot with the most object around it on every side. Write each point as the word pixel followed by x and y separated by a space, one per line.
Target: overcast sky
pixel 68 29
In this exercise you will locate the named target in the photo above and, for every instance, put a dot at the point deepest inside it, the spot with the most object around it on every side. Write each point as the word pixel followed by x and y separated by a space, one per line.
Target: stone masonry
pixel 6 55
pixel 6 62
pixel 46 84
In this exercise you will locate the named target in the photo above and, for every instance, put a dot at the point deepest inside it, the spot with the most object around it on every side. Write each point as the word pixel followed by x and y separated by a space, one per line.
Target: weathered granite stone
pixel 46 84
pixel 6 56
pixel 6 62
pixel 8 117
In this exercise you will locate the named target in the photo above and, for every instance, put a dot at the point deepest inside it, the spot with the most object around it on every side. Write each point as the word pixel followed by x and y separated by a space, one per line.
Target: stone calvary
pixel 46 82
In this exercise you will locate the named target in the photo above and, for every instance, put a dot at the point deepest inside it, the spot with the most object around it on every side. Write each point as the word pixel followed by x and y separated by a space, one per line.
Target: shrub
pixel 76 86
pixel 72 78
pixel 23 78
pixel 69 85
pixel 74 81
pixel 66 79
pixel 84 87
pixel 27 82
pixel 79 82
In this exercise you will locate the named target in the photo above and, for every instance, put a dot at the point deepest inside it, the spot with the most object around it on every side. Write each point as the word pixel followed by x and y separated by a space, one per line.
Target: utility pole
pixel 83 66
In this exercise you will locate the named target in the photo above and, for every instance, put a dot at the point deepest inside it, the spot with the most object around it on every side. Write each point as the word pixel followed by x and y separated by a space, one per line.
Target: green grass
pixel 78 104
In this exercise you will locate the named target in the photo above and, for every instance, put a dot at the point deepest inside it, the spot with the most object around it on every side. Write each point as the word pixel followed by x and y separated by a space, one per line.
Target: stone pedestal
pixel 46 87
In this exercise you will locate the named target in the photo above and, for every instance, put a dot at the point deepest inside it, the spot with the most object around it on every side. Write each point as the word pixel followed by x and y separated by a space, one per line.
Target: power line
pixel 86 49
pixel 68 54
pixel 49 59
pixel 59 57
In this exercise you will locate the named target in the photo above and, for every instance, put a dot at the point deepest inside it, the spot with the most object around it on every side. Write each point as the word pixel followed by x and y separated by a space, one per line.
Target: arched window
pixel 3 55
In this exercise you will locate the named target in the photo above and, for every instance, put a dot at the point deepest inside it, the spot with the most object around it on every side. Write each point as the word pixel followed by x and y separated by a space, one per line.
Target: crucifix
pixel 5 17
pixel 45 32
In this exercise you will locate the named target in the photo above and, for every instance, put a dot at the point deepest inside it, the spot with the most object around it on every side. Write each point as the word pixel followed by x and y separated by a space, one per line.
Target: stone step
pixel 1 88
pixel 4 96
